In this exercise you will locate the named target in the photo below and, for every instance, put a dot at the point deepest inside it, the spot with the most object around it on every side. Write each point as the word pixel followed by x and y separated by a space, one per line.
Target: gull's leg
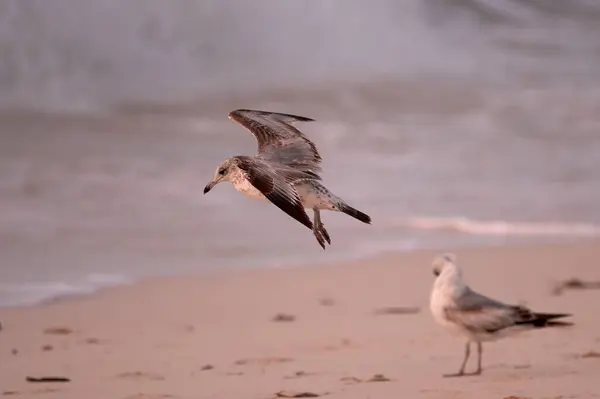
pixel 319 229
pixel 464 363
pixel 479 356
pixel 322 228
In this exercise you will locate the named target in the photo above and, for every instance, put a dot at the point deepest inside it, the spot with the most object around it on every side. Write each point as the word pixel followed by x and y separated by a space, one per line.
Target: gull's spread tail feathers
pixel 526 317
pixel 355 213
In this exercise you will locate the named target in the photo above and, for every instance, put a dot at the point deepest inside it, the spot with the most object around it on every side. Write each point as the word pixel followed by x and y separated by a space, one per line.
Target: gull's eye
pixel 222 171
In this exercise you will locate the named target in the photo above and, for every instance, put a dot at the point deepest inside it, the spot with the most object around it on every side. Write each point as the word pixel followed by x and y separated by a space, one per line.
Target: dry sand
pixel 215 336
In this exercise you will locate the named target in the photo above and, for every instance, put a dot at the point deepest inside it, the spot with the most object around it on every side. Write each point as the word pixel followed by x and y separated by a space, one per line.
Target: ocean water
pixel 451 123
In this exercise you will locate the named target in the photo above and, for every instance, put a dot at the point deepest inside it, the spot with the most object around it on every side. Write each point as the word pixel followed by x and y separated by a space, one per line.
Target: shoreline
pixel 129 281
pixel 323 328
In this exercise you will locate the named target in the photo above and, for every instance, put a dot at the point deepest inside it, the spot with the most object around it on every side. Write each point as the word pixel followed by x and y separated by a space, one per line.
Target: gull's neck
pixel 450 281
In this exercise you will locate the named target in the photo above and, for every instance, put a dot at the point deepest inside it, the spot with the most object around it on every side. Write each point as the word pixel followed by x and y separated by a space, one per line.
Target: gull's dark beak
pixel 208 187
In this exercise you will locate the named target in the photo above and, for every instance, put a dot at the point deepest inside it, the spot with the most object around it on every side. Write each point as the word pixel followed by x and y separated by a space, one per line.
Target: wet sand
pixel 326 330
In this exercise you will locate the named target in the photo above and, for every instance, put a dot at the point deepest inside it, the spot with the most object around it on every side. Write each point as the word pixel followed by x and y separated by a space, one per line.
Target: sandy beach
pixel 328 330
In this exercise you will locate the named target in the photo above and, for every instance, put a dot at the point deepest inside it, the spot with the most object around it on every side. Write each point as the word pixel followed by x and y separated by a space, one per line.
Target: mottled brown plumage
pixel 285 171
pixel 278 140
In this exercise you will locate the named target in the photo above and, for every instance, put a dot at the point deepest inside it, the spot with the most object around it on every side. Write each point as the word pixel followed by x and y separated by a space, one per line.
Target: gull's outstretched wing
pixel 274 183
pixel 278 140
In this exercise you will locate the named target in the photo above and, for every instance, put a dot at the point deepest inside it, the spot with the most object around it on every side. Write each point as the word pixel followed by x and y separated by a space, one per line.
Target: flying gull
pixel 285 171
pixel 457 307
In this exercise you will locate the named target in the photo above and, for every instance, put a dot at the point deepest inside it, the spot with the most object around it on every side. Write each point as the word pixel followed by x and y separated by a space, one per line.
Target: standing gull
pixel 285 171
pixel 457 307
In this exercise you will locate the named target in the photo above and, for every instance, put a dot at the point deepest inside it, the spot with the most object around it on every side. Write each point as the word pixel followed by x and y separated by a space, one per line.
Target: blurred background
pixel 451 122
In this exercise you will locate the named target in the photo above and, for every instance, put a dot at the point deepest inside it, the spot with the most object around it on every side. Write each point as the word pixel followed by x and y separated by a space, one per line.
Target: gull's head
pixel 223 173
pixel 444 263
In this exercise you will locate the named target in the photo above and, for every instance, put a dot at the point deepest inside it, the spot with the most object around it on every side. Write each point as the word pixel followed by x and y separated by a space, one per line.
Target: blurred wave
pixel 505 228
pixel 26 294
pixel 90 55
